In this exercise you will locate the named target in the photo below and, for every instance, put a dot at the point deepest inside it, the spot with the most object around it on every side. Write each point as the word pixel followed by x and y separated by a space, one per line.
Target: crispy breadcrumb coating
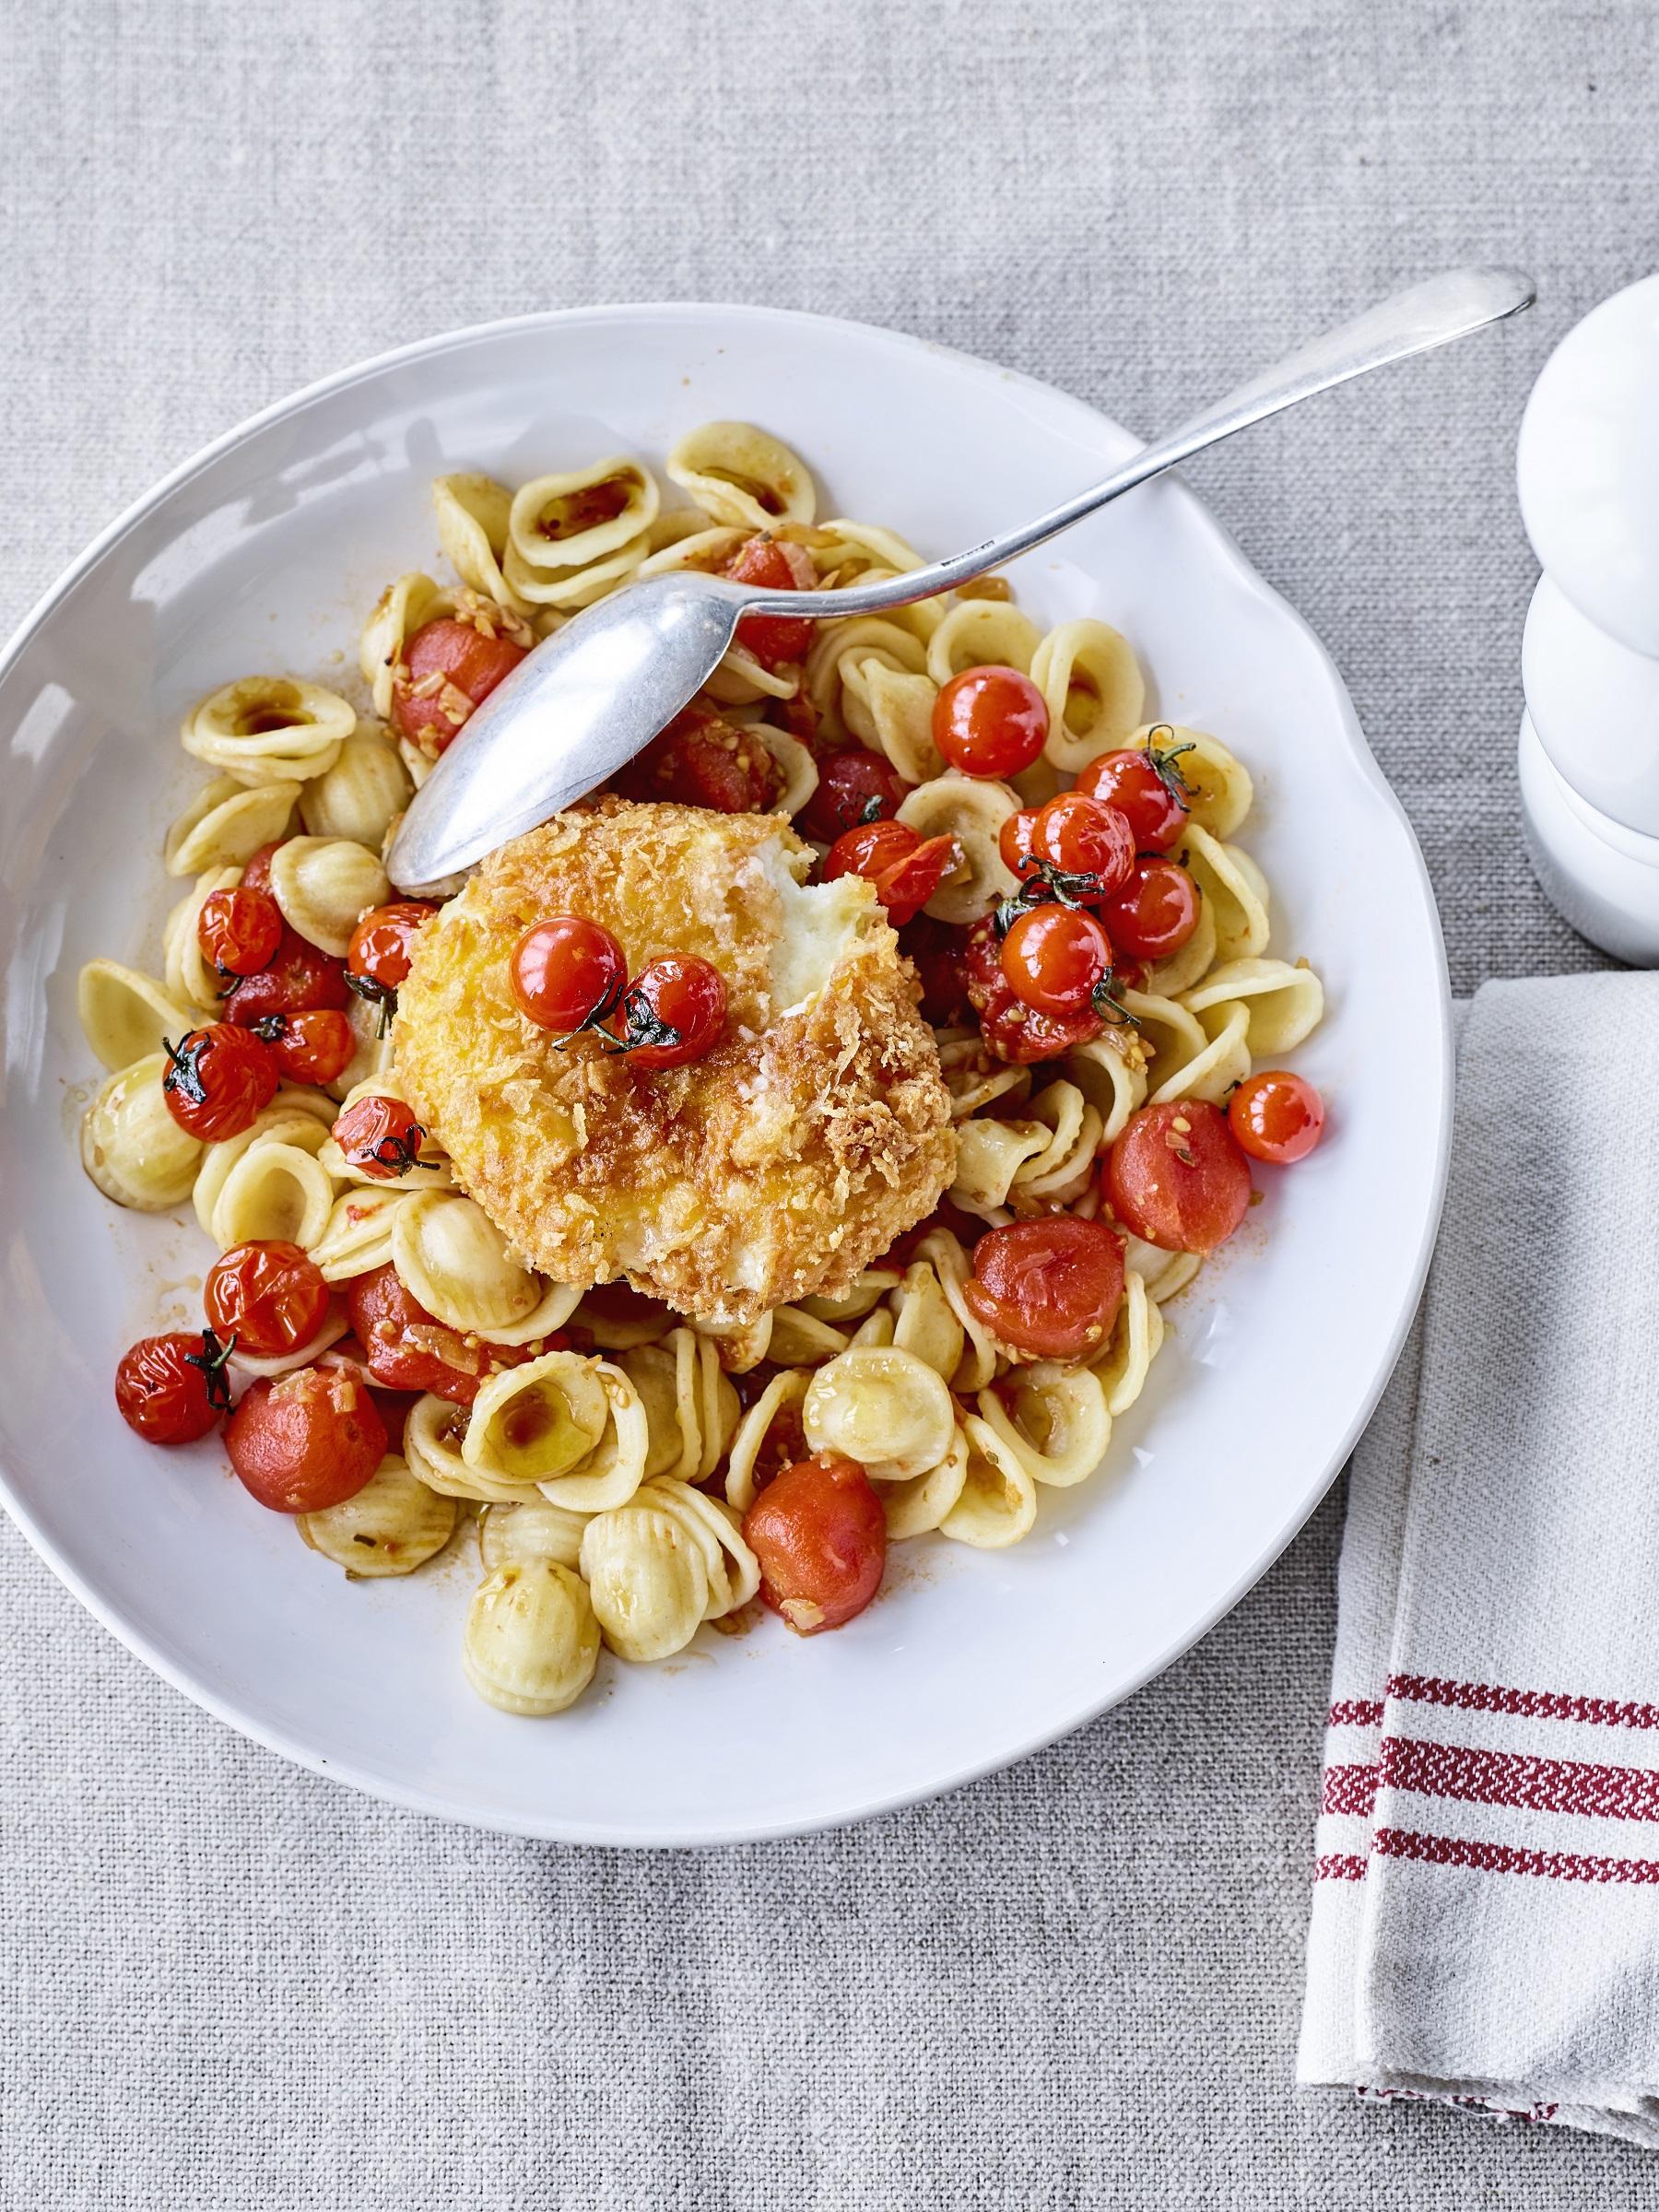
pixel 814 1133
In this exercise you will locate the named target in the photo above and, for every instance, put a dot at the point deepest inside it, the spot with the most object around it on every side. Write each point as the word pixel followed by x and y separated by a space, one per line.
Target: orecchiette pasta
pixel 573 519
pixel 226 822
pixel 402 608
pixel 189 975
pixel 267 729
pixel 131 1146
pixel 887 1409
pixel 743 477
pixel 126 1015
pixel 324 885
pixel 980 632
pixel 1092 686
pixel 1281 1004
pixel 357 1237
pixel 455 1261
pixel 998 1502
pixel 274 1190
pixel 973 810
pixel 473 514
pixel 1057 1423
pixel 393 1525
pixel 1235 890
pixel 531 1642
pixel 1218 791
pixel 360 797
pixel 511 1534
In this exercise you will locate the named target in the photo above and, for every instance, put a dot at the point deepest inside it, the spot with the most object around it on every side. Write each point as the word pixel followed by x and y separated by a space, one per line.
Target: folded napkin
pixel 1485 1901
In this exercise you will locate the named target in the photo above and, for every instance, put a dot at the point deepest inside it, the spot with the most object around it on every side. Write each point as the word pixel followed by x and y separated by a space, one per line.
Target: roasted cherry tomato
pixel 1091 843
pixel 1055 958
pixel 854 787
pixel 673 1012
pixel 405 1348
pixel 990 722
pixel 1014 841
pixel 380 1136
pixel 218 1080
pixel 868 849
pixel 1012 1031
pixel 299 979
pixel 939 952
pixel 701 761
pixel 905 868
pixel 1051 1287
pixel 567 972
pixel 1147 786
pixel 269 1295
pixel 377 959
pixel 312 1047
pixel 452 666
pixel 173 1389
pixel 1156 911
pixel 307 1441
pixel 820 1535
pixel 774 639
pixel 256 868
pixel 1176 1177
pixel 1277 1116
pixel 239 930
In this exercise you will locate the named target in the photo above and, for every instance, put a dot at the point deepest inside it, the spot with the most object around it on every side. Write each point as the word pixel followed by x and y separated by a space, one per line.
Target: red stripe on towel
pixel 1532 1705
pixel 1539 1785
pixel 1340 1867
pixel 1504 1858
pixel 1348 1790
pixel 1354 1713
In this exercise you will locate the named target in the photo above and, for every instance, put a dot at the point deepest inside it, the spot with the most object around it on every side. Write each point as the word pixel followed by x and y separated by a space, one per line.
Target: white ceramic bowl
pixel 1595 705
pixel 1587 465
pixel 1600 875
pixel 266 552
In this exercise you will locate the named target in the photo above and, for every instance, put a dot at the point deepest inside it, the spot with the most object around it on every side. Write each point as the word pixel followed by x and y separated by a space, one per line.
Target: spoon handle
pixel 1416 321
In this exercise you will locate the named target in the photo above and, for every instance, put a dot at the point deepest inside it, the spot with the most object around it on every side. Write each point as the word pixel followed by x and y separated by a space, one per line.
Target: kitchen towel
pixel 1485 1902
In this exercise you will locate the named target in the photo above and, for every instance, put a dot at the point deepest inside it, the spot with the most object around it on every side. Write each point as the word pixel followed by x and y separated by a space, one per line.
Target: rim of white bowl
pixel 1089 1708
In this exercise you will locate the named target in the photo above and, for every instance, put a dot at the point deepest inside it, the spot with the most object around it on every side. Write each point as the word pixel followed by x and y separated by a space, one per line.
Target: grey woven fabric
pixel 226 1983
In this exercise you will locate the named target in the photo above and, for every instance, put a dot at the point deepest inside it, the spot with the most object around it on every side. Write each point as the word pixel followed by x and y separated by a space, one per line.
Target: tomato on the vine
pixel 1055 958
pixel 1148 786
pixel 819 1533
pixel 315 1046
pixel 299 979
pixel 1012 1031
pixel 990 722
pixel 854 786
pixel 1176 1178
pixel 1089 843
pixel 1277 1116
pixel 1014 841
pixel 268 1294
pixel 906 869
pixel 173 1389
pixel 239 929
pixel 1050 1288
pixel 774 639
pixel 217 1080
pixel 377 959
pixel 567 972
pixel 380 1136
pixel 673 1012
pixel 1157 910
pixel 306 1441
pixel 452 668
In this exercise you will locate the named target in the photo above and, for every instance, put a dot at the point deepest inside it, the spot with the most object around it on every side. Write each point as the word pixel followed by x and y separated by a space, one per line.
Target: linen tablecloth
pixel 228 1983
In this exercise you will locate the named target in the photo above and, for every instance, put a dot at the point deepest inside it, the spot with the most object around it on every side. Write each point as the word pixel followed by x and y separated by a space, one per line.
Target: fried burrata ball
pixel 814 1133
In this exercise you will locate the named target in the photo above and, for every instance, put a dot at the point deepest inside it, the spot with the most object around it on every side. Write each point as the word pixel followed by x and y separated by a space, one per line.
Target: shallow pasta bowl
pixel 265 553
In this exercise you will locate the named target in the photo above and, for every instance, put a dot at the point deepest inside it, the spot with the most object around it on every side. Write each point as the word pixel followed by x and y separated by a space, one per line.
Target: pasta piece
pixel 126 1015
pixel 402 608
pixel 293 1117
pixel 916 1507
pixel 777 1402
pixel 1137 1335
pixel 508 1536
pixel 569 589
pixel 269 729
pixel 1281 1004
pixel 887 1409
pixel 890 711
pixel 800 1340
pixel 705 551
pixel 1094 689
pixel 1056 1424
pixel 739 1350
pixel 1060 1172
pixel 574 519
pixel 648 1580
pixel 1224 1061
pixel 975 1077
pixel 615 1468
pixel 324 886
pixel 691 1410
pixel 797 765
pixel 190 975
pixel 131 1146
pixel 1236 891
pixel 1111 1076
pixel 1219 792
pixel 1169 1034
pixel 274 1190
pixel 733 1570
pixel 860 638
pixel 849 551
pixel 867 1292
pixel 357 1237
pixel 973 810
pixel 254 1366
pixel 360 797
pixel 473 514
pixel 433 1435
pixel 923 1325
pixel 1169 978
pixel 998 1500
pixel 1164 1273
pixel 990 1153
pixel 951 1268
pixel 979 633
pixel 451 1255
pixel 532 1423
pixel 532 1643
pixel 875 1330
pixel 740 679
pixel 743 477
pixel 393 1524
pixel 226 822
pixel 642 1321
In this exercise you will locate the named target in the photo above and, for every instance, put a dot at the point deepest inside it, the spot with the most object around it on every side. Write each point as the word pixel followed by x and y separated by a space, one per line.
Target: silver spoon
pixel 594 693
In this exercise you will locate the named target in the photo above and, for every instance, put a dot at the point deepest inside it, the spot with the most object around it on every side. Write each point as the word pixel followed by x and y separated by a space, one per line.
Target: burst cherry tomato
pixel 300 978
pixel 1177 1179
pixel 1012 1031
pixel 990 722
pixel 701 761
pixel 239 930
pixel 218 1080
pixel 869 849
pixel 307 1441
pixel 853 786
pixel 1014 841
pixel 820 1535
pixel 1156 911
pixel 313 1047
pixel 1277 1117
pixel 1054 957
pixel 173 1389
pixel 377 959
pixel 1050 1288
pixel 269 1295
pixel 774 639
pixel 452 666
pixel 406 1348
pixel 1079 836
pixel 673 1012
pixel 905 868
pixel 1147 787
pixel 567 971
pixel 256 869
pixel 379 1136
